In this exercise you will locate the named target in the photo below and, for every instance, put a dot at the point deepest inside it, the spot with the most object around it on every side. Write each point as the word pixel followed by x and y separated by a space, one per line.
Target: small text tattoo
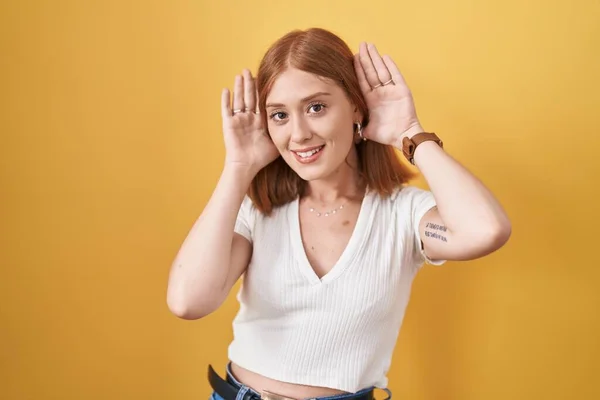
pixel 436 227
pixel 435 236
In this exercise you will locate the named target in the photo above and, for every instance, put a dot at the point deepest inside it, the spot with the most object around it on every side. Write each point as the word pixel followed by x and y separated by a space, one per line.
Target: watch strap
pixel 409 145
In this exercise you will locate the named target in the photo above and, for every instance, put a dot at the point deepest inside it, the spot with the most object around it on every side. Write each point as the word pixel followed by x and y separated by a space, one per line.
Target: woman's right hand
pixel 247 143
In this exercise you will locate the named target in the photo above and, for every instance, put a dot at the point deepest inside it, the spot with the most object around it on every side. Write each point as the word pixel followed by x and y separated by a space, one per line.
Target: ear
pixel 357 115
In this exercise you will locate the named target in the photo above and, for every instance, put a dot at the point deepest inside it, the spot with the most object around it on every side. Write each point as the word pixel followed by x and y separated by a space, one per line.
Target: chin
pixel 313 172
pixel 307 172
pixel 310 175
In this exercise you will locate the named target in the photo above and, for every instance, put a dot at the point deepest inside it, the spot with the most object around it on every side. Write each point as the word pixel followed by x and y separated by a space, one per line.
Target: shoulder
pixel 407 204
pixel 248 205
pixel 250 212
pixel 410 195
pixel 247 210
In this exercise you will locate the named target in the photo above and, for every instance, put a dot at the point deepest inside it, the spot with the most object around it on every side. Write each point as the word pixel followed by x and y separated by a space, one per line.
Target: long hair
pixel 324 54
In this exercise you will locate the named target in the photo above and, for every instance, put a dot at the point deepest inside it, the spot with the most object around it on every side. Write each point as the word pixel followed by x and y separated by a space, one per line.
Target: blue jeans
pixel 245 389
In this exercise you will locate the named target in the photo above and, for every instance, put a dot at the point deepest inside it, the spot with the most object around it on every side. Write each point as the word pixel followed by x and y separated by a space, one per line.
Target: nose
pixel 300 130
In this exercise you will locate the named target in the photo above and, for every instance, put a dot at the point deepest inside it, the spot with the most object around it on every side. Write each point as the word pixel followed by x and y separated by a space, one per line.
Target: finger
pixel 238 94
pixel 381 69
pixel 360 74
pixel 368 67
pixel 225 104
pixel 394 71
pixel 257 107
pixel 249 91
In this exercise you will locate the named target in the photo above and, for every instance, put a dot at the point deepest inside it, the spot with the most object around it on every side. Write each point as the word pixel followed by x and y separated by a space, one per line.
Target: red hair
pixel 324 54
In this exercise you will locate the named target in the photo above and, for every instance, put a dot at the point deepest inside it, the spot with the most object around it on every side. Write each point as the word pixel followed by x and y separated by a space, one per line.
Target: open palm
pixel 391 107
pixel 247 144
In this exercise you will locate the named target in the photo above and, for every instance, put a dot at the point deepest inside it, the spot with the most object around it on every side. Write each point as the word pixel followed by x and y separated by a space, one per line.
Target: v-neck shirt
pixel 339 330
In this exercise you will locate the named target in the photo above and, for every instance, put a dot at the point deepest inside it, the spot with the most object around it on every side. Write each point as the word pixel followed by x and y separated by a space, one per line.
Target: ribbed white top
pixel 338 331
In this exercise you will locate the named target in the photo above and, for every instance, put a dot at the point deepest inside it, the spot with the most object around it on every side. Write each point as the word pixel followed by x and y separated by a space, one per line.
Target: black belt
pixel 225 389
pixel 229 390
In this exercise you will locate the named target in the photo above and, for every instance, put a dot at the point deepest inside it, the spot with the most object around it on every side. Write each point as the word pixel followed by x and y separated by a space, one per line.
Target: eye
pixel 277 116
pixel 316 107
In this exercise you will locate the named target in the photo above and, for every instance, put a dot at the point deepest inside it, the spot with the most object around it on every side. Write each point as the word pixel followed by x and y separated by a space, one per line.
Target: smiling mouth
pixel 309 153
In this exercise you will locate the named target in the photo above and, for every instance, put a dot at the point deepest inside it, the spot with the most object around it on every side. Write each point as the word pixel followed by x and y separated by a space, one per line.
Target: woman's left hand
pixel 392 113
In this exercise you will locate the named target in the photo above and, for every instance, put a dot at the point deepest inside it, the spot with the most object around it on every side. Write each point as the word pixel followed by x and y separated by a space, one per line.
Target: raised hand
pixel 247 143
pixel 392 113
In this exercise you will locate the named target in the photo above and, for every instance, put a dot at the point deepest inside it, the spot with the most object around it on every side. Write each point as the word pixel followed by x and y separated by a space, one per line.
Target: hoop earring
pixel 359 130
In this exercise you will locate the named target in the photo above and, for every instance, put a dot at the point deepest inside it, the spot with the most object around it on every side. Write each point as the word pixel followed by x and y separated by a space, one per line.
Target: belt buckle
pixel 266 395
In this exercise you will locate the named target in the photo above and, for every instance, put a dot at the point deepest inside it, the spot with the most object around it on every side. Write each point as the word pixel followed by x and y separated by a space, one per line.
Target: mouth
pixel 308 155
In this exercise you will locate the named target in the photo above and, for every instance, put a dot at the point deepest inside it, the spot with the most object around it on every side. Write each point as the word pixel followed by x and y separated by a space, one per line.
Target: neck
pixel 342 186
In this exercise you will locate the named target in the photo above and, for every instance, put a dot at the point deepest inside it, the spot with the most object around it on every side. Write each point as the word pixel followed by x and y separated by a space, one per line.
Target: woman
pixel 313 208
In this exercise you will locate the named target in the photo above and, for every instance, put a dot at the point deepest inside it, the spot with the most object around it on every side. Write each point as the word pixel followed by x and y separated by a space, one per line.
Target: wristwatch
pixel 409 145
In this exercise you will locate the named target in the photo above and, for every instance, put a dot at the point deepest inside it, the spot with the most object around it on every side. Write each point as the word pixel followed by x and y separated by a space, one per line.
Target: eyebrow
pixel 304 100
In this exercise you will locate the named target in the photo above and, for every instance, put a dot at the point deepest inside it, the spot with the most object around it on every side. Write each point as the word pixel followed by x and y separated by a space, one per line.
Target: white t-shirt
pixel 338 331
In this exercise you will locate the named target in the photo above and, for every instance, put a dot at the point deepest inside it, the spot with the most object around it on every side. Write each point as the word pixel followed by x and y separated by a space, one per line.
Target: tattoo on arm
pixel 435 231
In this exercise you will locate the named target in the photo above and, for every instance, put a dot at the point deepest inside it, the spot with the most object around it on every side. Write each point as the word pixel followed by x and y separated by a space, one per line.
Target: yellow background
pixel 111 145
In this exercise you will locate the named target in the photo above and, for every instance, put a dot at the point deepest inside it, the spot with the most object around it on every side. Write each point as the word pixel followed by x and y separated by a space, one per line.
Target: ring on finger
pixel 388 82
pixel 237 110
pixel 378 85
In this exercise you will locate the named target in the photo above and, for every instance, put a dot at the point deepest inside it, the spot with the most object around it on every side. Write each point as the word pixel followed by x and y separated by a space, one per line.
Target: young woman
pixel 314 210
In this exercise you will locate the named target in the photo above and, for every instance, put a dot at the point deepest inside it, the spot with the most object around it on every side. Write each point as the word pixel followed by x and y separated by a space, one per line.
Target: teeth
pixel 308 153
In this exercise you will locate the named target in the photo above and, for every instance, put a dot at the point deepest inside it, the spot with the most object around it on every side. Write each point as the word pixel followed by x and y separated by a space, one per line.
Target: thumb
pixel 225 103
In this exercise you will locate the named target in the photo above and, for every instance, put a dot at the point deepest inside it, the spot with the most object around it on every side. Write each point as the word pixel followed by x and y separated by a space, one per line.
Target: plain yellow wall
pixel 111 145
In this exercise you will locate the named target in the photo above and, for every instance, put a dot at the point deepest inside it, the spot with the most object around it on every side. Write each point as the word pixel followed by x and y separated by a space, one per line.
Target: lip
pixel 307 149
pixel 311 159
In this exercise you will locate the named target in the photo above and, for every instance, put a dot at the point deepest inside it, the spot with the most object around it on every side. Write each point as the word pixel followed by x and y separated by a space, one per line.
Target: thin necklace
pixel 327 213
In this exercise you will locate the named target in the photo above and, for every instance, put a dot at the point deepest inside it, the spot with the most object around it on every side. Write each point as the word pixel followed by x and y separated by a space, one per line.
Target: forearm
pixel 465 204
pixel 200 269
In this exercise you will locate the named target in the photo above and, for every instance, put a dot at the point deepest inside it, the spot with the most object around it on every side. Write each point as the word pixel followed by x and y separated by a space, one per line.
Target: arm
pixel 468 221
pixel 213 256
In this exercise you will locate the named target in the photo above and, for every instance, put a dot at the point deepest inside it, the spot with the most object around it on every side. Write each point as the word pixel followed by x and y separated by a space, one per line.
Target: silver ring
pixel 388 82
pixel 237 111
pixel 376 86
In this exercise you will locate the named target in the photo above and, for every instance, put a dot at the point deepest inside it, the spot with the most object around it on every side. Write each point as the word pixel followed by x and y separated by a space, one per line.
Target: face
pixel 311 122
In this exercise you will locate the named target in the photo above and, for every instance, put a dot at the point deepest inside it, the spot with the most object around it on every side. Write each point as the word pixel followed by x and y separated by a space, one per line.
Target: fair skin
pixel 304 113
